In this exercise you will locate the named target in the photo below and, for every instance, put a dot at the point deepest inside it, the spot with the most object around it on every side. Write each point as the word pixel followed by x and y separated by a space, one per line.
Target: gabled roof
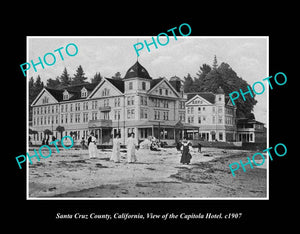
pixel 248 121
pixel 119 84
pixel 57 94
pixel 137 70
pixel 209 96
pixel 155 82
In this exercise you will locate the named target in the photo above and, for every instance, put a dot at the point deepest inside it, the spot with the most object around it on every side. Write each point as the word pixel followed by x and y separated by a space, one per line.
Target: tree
pixel 209 80
pixel 79 77
pixel 65 78
pixel 38 85
pixel 215 63
pixel 60 129
pixel 202 73
pixel 51 83
pixel 117 76
pixel 97 78
pixel 188 83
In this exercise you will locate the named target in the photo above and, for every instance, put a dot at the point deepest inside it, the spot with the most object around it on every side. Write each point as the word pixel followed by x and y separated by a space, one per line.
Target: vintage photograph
pixel 160 125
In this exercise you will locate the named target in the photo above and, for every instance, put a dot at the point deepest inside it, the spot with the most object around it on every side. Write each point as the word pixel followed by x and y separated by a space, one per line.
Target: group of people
pixel 184 146
pixel 131 143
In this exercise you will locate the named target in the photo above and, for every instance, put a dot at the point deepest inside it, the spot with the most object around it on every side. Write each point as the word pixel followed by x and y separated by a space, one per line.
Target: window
pixel 156 102
pixel 85 106
pixel 166 115
pixel 199 119
pixel 117 102
pixel 117 114
pixel 181 105
pixel 156 115
pixel 45 100
pixel 167 92
pixel 85 117
pixel 143 85
pixel 143 114
pixel 192 110
pixel 130 114
pixel 130 100
pixel 94 115
pixel 83 92
pixel 106 115
pixel 66 95
pixel 130 86
pixel 182 117
pixel 105 92
pixel 143 101
pixel 160 91
pixel 166 103
pixel 106 102
pixel 220 136
pixel 77 118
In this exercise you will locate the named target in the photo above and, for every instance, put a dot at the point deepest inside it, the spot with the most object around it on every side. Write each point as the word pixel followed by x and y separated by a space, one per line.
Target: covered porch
pixel 167 131
pixel 102 131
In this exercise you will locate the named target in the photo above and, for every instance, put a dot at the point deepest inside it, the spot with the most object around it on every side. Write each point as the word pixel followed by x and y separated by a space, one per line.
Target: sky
pixel 247 56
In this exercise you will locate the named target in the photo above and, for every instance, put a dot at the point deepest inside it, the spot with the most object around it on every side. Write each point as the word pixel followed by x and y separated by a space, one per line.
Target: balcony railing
pixel 104 108
pixel 100 123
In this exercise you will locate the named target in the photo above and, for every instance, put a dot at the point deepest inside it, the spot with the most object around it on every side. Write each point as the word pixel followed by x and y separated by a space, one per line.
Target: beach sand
pixel 72 174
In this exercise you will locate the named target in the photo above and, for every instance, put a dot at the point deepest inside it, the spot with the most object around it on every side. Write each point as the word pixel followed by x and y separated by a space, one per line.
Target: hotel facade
pixel 137 103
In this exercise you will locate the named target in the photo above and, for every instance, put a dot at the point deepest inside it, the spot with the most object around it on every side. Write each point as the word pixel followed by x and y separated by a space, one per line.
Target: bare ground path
pixel 71 173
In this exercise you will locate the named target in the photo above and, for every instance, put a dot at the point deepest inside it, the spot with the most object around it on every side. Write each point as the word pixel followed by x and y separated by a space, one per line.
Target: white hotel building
pixel 140 104
pixel 137 103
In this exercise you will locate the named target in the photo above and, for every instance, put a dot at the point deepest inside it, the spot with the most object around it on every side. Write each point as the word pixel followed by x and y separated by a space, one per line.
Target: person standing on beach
pixel 185 149
pixel 131 144
pixel 115 156
pixel 93 151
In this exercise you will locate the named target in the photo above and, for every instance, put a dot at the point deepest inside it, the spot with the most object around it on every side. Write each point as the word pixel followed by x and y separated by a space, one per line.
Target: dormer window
pixel 66 95
pixel 83 92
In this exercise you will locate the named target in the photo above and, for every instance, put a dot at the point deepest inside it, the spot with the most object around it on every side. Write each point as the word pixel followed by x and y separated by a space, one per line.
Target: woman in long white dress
pixel 131 144
pixel 115 156
pixel 93 151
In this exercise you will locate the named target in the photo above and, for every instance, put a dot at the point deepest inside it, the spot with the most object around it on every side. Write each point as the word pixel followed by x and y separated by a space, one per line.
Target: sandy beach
pixel 72 174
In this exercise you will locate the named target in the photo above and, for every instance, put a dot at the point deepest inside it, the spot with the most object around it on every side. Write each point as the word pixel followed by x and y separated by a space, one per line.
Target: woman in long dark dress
pixel 186 155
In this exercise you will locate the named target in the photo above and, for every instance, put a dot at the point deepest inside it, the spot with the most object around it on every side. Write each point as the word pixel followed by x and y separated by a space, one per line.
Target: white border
pixel 144 198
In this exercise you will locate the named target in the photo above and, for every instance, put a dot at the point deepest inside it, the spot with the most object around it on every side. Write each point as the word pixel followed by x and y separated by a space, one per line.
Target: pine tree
pixel 188 84
pixel 215 63
pixel 51 83
pixel 97 78
pixel 79 77
pixel 65 78
pixel 38 85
